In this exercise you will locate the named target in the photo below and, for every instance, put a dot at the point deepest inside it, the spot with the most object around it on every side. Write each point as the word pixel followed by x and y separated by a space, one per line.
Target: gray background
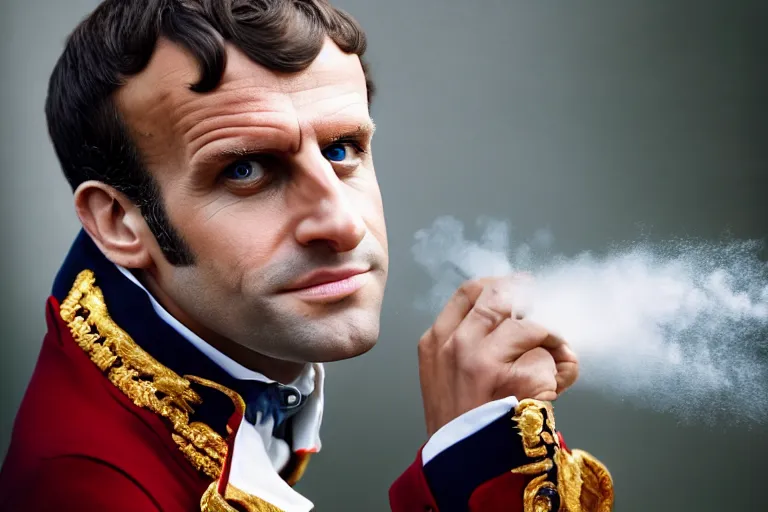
pixel 588 117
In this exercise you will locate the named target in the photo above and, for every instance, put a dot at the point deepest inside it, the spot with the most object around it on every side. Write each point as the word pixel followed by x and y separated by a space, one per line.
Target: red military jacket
pixel 104 425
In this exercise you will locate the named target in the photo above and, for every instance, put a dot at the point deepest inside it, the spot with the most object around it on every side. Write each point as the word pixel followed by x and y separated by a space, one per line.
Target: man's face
pixel 270 181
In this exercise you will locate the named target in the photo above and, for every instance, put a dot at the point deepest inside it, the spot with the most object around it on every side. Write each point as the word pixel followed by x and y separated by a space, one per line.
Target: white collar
pixel 304 383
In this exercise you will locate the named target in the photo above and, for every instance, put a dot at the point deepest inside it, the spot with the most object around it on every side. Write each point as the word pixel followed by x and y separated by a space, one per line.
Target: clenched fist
pixel 480 349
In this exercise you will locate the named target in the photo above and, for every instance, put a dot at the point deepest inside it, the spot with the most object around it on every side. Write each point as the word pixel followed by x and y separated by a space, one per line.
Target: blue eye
pixel 240 171
pixel 243 170
pixel 335 152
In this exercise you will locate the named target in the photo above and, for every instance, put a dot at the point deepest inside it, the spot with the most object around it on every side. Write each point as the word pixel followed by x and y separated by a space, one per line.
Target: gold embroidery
pixel 583 483
pixel 234 501
pixel 237 400
pixel 151 385
pixel 534 498
pixel 597 489
pixel 138 375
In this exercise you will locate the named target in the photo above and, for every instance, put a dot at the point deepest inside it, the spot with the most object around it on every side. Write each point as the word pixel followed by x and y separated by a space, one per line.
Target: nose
pixel 328 214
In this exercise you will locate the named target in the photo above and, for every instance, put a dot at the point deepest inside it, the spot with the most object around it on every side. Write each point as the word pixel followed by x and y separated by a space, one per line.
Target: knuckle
pixel 462 341
pixel 451 351
pixel 487 314
pixel 427 340
pixel 534 331
pixel 439 331
pixel 458 340
pixel 500 298
pixel 469 289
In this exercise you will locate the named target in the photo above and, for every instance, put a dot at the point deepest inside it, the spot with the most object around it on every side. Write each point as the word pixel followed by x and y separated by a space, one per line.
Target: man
pixel 233 241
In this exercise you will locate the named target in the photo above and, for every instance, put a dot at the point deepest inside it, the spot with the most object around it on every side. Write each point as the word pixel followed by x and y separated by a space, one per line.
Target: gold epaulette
pixel 562 480
pixel 152 386
pixel 138 375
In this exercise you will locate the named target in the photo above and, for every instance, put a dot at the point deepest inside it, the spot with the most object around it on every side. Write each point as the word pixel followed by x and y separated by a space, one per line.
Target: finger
pixel 566 361
pixel 491 308
pixel 533 375
pixel 457 308
pixel 513 338
pixel 567 370
pixel 567 373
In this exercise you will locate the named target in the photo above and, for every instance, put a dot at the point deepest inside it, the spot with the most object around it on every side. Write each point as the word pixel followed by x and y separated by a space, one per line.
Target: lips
pixel 329 285
pixel 325 277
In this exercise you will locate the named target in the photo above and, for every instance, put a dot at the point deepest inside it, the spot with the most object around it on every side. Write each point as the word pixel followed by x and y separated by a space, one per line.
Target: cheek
pixel 372 210
pixel 232 237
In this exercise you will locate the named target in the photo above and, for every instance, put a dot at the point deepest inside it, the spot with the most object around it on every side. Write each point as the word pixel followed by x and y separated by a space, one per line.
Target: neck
pixel 276 369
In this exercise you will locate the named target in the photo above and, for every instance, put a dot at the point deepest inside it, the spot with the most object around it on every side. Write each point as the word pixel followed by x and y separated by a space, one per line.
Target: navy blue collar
pixel 131 309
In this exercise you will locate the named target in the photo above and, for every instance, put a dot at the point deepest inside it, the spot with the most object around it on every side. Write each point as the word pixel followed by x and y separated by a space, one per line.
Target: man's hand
pixel 478 350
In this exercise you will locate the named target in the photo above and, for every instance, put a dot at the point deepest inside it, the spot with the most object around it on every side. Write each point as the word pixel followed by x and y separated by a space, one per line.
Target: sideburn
pixel 173 245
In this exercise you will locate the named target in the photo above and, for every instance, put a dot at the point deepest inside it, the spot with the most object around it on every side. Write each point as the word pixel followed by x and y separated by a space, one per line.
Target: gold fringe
pixel 214 502
pixel 139 376
pixel 583 483
pixel 151 385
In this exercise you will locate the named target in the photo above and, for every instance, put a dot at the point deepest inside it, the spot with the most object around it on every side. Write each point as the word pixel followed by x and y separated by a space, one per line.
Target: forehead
pixel 160 98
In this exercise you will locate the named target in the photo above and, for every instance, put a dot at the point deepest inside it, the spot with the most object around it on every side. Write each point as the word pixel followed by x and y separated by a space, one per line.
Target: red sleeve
pixel 502 494
pixel 410 492
pixel 80 483
pixel 518 462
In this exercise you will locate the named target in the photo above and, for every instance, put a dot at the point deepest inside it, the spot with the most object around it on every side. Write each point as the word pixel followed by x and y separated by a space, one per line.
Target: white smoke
pixel 679 326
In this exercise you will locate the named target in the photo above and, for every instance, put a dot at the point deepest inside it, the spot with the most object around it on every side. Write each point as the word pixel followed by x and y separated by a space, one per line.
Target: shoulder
pixel 78 483
pixel 73 416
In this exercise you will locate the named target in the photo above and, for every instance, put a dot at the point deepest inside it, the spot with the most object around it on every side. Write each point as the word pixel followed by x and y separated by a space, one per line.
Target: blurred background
pixel 598 120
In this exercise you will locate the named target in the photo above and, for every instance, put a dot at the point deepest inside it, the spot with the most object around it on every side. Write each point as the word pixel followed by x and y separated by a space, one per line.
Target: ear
pixel 115 224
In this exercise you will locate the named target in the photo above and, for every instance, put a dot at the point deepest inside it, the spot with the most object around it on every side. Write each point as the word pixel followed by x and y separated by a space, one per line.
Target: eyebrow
pixel 367 128
pixel 233 152
pixel 226 154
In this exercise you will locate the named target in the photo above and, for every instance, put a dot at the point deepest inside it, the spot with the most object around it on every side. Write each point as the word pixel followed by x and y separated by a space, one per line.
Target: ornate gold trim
pixel 139 376
pixel 583 483
pixel 214 502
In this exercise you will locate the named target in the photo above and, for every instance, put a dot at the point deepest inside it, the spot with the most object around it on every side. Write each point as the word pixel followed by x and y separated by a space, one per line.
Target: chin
pixel 346 336
pixel 339 350
pixel 317 333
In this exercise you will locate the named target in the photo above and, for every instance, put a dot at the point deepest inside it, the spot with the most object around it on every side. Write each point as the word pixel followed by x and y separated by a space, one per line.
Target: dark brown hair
pixel 118 39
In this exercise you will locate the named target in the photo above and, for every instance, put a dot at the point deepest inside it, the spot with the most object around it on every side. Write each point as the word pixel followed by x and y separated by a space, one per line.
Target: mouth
pixel 329 285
